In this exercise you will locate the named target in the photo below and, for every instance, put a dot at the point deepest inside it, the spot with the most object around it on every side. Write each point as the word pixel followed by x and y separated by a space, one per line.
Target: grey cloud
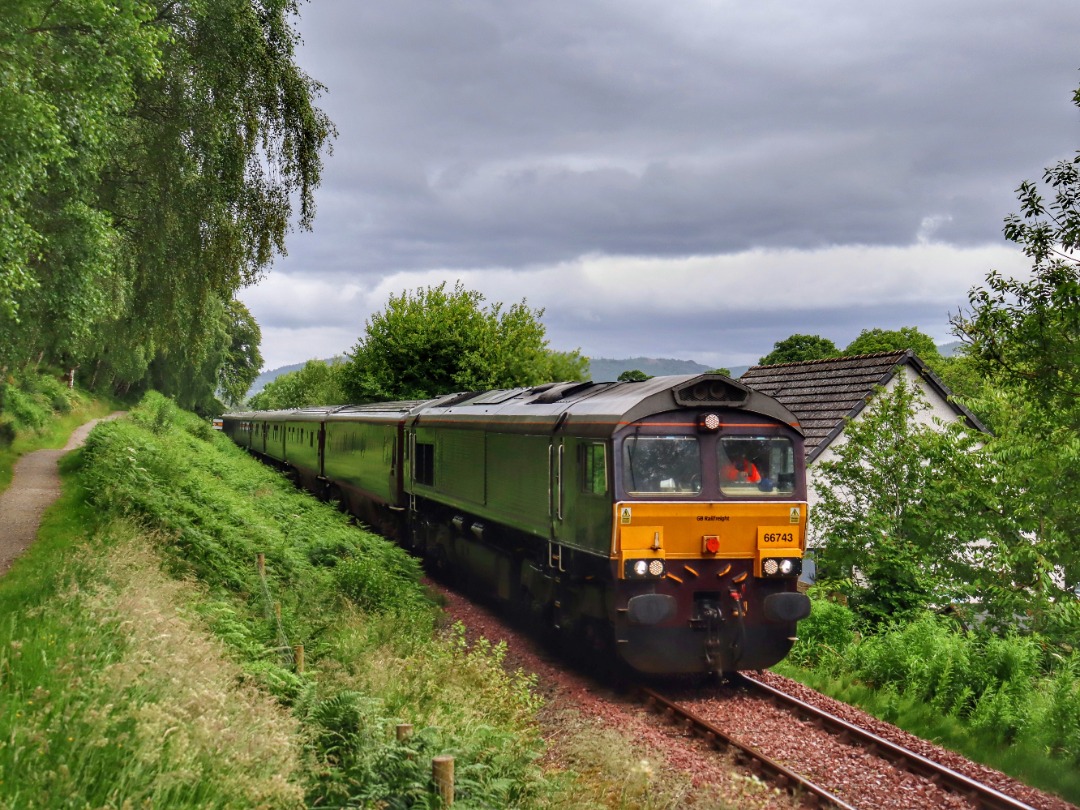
pixel 485 134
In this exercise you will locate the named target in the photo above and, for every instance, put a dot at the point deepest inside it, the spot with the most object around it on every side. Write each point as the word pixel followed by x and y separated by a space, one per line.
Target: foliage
pixel 432 342
pixel 317 383
pixel 29 400
pixel 633 375
pixel 150 159
pixel 825 635
pixel 799 349
pixel 909 512
pixel 1022 334
pixel 243 360
pixel 872 341
pixel 1007 699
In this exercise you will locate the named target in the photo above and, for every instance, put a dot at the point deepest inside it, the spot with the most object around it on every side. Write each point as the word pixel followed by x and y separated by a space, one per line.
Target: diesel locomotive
pixel 663 520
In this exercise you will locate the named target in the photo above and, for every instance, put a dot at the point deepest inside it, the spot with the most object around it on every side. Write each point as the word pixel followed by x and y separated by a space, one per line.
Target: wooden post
pixel 298 655
pixel 260 564
pixel 404 731
pixel 442 771
pixel 277 611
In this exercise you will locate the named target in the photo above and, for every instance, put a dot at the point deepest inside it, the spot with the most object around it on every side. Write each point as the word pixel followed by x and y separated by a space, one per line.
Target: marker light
pixel 641 568
pixel 709 422
pixel 710 544
pixel 656 568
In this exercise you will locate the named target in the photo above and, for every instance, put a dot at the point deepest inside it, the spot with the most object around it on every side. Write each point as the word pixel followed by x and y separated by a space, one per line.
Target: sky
pixel 694 180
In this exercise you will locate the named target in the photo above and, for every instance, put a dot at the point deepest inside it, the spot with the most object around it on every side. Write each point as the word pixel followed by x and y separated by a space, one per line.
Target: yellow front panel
pixel 681 527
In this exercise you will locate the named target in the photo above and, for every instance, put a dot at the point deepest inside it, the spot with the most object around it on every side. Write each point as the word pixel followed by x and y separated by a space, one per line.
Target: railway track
pixel 972 792
pixel 761 764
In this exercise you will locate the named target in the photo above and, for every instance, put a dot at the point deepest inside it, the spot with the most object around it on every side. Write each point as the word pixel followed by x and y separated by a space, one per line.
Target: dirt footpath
pixel 35 484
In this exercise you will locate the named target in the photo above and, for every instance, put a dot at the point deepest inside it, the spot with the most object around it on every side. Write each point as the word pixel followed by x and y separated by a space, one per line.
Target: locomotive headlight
pixel 645 569
pixel 781 566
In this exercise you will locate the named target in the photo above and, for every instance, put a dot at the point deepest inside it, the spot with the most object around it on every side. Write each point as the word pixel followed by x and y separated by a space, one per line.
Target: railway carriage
pixel 663 520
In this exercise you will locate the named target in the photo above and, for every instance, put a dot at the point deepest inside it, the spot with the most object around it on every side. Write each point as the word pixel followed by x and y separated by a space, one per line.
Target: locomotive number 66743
pixel 662 520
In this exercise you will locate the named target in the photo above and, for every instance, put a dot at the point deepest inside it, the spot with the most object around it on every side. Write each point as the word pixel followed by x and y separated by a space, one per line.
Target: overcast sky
pixel 696 179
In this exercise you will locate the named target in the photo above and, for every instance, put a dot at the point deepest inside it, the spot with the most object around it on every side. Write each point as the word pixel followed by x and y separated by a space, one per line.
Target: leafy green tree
pixel 1023 334
pixel 903 506
pixel 872 341
pixel 799 349
pixel 67 77
pixel 633 375
pixel 722 370
pixel 151 156
pixel 243 361
pixel 317 383
pixel 433 341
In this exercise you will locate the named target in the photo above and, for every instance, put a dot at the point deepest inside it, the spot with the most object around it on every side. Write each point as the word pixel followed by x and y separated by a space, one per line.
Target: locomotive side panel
pixel 517 472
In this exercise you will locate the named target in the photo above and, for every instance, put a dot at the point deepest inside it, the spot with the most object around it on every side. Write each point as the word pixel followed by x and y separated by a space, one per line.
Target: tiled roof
pixel 822 393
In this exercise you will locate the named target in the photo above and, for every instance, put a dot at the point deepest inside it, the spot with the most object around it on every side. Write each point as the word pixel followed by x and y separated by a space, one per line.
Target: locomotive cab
pixel 708 538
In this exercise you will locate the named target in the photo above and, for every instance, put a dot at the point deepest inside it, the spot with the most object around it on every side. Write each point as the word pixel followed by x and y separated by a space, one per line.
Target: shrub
pixel 824 635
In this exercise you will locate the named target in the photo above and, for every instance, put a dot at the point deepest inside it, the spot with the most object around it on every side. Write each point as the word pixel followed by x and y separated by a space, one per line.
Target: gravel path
pixel 35 484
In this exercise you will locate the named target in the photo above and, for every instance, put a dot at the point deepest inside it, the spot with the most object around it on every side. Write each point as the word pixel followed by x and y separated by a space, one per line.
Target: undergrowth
pixel 38 410
pixel 1011 701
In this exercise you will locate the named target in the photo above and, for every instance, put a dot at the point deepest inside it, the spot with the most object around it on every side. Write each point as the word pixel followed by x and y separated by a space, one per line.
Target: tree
pixel 151 156
pixel 872 341
pixel 799 349
pixel 1023 334
pixel 633 375
pixel 243 360
pixel 317 383
pixel 911 514
pixel 433 342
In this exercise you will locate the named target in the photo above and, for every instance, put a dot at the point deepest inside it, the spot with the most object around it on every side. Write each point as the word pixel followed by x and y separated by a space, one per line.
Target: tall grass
pixel 1011 701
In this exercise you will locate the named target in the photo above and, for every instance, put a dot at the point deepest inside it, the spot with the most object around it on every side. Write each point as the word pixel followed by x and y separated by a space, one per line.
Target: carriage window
pixel 662 464
pixel 593 469
pixel 756 465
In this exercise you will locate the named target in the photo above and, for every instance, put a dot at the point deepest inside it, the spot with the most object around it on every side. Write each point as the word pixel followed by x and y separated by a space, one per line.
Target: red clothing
pixel 741 471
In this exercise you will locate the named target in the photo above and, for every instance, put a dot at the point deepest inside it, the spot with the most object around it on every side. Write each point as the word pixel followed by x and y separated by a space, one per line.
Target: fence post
pixel 298 654
pixel 442 771
pixel 260 564
pixel 404 731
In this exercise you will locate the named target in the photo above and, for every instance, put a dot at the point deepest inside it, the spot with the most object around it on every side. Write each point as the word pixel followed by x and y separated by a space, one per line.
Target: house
pixel 826 394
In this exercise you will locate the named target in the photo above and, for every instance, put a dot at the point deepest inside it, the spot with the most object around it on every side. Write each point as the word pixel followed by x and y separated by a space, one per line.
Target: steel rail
pixel 718 738
pixel 982 796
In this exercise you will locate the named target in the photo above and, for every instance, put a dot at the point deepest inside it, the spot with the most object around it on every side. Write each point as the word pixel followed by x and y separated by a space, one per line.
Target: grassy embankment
pixel 1009 701
pixel 144 661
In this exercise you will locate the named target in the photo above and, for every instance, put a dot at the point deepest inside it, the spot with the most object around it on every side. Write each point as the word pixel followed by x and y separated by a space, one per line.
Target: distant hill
pixel 603 369
pixel 272 374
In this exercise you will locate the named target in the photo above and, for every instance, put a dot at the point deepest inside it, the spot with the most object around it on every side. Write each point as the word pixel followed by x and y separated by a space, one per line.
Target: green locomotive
pixel 663 520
